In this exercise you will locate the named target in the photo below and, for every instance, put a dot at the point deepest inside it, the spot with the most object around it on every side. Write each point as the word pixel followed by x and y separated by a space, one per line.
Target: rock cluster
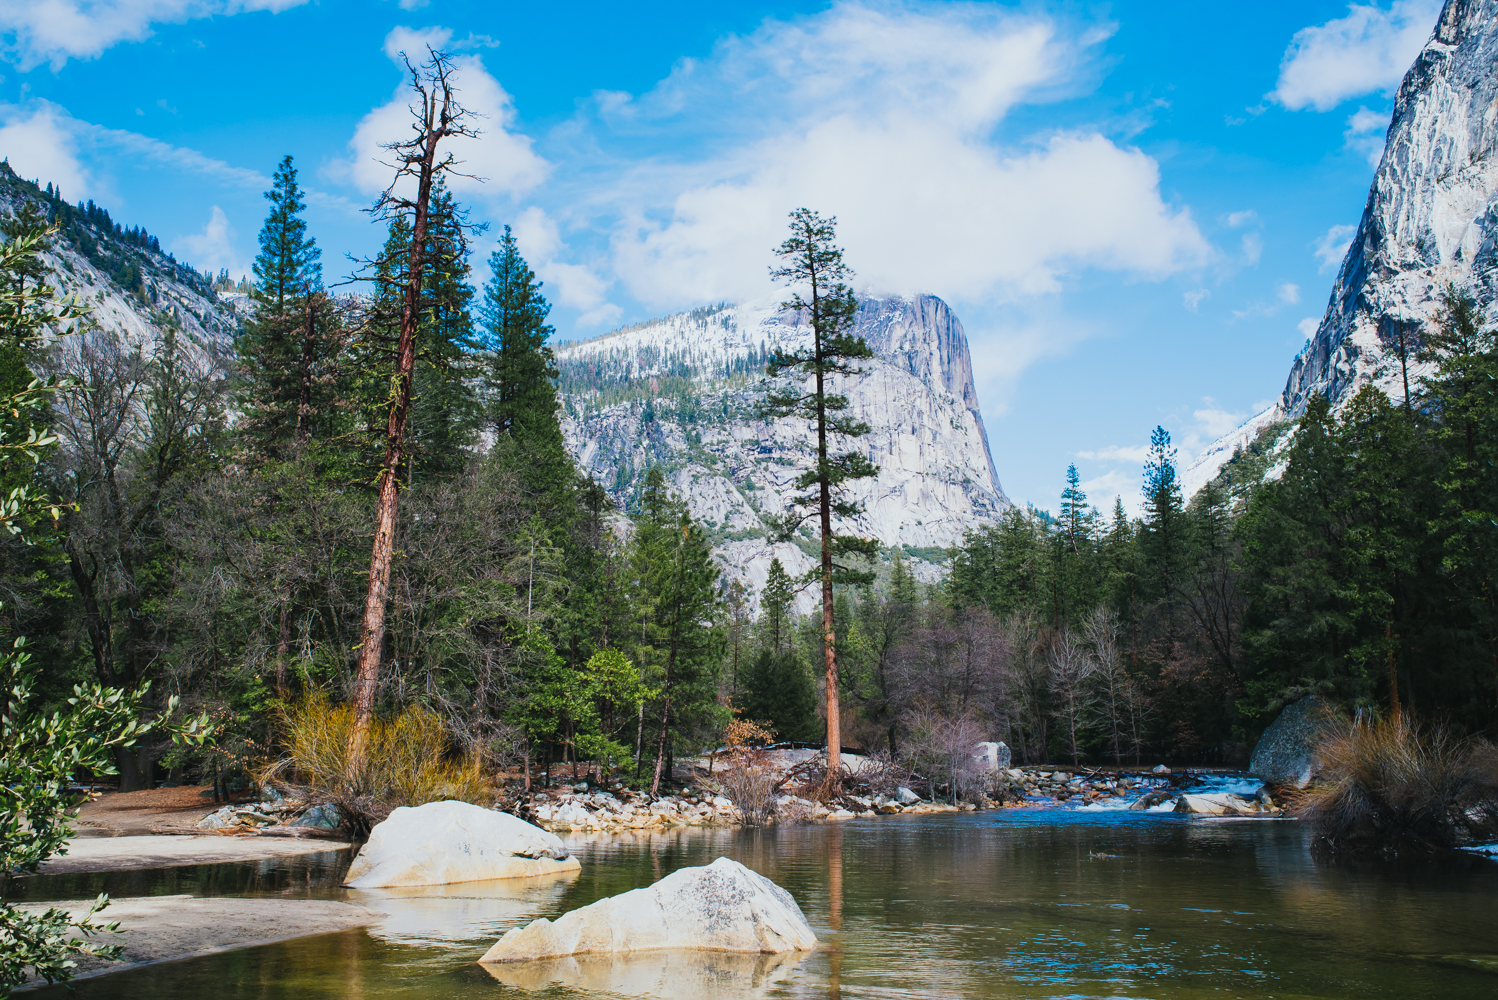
pixel 577 808
pixel 272 810
pixel 723 906
pixel 1063 786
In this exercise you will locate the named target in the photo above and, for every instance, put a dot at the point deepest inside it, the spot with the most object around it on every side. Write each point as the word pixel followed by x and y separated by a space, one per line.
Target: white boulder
pixel 443 842
pixel 720 907
pixel 1214 804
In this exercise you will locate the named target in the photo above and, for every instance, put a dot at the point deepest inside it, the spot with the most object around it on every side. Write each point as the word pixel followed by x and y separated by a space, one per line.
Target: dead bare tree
pixel 436 116
pixel 1071 671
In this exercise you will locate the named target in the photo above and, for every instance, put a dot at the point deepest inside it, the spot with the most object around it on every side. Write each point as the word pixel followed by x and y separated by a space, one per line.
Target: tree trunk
pixel 829 636
pixel 372 635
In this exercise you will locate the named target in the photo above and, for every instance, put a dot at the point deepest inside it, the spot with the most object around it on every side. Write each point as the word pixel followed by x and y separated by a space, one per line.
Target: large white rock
pixel 719 907
pixel 443 842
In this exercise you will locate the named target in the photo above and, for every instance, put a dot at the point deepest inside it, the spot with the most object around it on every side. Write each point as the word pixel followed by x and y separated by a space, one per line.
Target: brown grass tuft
pixel 1392 786
pixel 409 760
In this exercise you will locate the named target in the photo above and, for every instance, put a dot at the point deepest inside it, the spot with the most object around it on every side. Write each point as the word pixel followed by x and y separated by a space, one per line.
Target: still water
pixel 1017 903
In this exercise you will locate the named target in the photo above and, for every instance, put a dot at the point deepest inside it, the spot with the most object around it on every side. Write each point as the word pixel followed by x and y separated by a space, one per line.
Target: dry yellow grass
pixel 409 760
pixel 1391 786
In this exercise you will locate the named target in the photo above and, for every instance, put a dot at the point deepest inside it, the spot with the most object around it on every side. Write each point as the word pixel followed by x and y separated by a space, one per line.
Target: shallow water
pixel 1017 903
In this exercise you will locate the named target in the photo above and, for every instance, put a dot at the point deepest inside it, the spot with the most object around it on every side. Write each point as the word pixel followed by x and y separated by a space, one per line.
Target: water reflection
pixel 1014 904
pixel 708 975
pixel 464 911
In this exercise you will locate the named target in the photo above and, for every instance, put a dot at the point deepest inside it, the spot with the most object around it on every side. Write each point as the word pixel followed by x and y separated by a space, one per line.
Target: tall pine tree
pixel 290 347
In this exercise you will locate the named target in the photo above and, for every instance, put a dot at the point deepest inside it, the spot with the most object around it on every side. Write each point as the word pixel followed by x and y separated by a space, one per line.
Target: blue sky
pixel 1135 208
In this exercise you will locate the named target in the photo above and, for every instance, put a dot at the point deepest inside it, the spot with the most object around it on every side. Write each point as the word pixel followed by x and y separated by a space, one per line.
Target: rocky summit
pixel 681 392
pixel 1431 220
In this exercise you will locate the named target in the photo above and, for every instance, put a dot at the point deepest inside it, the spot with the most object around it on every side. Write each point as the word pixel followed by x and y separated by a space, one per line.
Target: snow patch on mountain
pixel 681 392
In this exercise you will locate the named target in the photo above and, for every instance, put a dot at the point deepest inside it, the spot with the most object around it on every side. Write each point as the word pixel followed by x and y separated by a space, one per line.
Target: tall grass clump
pixel 408 760
pixel 1392 786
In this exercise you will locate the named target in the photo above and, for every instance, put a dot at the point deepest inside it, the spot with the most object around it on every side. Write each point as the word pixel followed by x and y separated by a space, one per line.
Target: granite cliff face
pixel 1431 220
pixel 128 285
pixel 680 391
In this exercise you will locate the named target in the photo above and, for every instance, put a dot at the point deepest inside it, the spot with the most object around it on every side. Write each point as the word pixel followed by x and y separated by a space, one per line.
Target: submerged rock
pixel 1283 754
pixel 720 907
pixel 443 842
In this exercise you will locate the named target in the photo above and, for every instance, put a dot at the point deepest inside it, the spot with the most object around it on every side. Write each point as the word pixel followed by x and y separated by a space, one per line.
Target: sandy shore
pixel 164 928
pixel 107 854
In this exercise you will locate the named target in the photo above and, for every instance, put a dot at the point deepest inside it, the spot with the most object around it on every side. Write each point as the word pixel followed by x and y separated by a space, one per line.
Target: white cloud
pixel 44 142
pixel 1244 217
pixel 213 248
pixel 1332 245
pixel 1253 248
pixel 501 163
pixel 1287 293
pixel 42 145
pixel 1365 52
pixel 1366 132
pixel 1196 298
pixel 33 32
pixel 1308 326
pixel 577 286
pixel 886 118
pixel 1118 453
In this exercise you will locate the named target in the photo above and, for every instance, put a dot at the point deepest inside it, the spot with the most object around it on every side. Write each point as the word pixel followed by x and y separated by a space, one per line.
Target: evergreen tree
pixel 520 369
pixel 290 345
pixel 445 412
pixel 776 608
pixel 1164 539
pixel 676 586
pixel 779 691
pixel 814 261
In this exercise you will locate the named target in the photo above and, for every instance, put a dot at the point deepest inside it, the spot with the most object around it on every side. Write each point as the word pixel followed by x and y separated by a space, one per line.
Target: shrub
pixel 1391 786
pixel 744 775
pixel 408 760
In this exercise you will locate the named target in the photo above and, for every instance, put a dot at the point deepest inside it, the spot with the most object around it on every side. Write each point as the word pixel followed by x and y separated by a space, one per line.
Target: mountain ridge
pixel 1430 220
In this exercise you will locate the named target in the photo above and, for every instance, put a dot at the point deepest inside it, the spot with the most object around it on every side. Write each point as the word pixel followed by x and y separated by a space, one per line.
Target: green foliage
pixel 799 390
pixel 779 691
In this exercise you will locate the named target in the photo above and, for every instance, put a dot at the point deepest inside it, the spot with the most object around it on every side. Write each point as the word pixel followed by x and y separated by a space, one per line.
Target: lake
pixel 1013 903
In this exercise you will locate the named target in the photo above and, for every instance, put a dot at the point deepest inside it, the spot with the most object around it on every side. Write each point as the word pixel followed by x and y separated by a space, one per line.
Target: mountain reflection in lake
pixel 1017 903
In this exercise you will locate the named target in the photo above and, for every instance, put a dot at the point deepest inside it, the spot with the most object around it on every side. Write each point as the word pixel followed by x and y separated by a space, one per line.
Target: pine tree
pixel 776 608
pixel 445 412
pixel 520 369
pixel 676 584
pixel 814 261
pixel 291 344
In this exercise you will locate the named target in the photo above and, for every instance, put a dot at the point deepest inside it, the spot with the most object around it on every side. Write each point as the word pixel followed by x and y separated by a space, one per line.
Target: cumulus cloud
pixel 41 144
pixel 886 118
pixel 500 162
pixel 1287 293
pixel 1308 326
pixel 33 32
pixel 1243 218
pixel 1195 298
pixel 577 286
pixel 1331 246
pixel 213 248
pixel 1368 51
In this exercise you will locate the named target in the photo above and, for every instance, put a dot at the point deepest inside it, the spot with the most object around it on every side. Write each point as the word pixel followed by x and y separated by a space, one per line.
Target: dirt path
pixel 125 814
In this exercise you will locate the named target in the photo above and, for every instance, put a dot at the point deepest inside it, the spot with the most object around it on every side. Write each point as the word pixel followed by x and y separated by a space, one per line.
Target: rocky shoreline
pixel 588 808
